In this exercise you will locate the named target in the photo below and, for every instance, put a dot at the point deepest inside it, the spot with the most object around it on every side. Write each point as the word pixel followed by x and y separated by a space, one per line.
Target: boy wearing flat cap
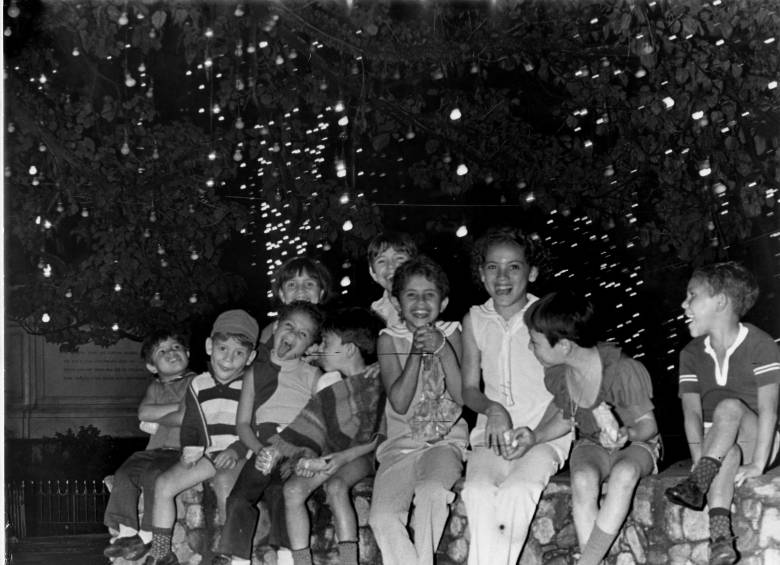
pixel 210 444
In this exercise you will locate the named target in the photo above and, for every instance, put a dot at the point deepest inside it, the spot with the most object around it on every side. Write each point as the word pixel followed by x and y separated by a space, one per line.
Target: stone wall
pixel 655 532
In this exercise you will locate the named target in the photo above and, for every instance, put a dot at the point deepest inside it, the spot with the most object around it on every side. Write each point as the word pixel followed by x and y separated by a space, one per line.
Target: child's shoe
pixel 722 551
pixel 130 548
pixel 220 559
pixel 169 559
pixel 687 494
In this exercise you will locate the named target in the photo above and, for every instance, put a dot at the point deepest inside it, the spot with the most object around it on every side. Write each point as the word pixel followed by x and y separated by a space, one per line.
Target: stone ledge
pixel 655 533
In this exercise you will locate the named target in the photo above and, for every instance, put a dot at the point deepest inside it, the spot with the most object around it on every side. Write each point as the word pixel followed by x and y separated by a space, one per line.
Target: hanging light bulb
pixel 115 327
pixel 346 226
pixel 69 293
pixel 462 170
pixel 237 156
pixel 239 11
pixel 45 318
pixel 704 168
pixel 193 298
pixel 155 153
pixel 85 212
pixel 239 123
pixel 212 155
pixel 194 255
pixel 117 287
pixel 13 10
pixel 123 19
pixel 455 115
pixel 125 149
pixel 129 80
pixel 345 281
pixel 462 231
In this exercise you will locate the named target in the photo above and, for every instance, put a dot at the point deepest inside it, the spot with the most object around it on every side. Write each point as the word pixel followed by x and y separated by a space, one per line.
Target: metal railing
pixel 58 507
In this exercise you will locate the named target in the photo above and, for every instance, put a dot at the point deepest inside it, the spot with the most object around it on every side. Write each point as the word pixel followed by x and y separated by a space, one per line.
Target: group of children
pixel 318 400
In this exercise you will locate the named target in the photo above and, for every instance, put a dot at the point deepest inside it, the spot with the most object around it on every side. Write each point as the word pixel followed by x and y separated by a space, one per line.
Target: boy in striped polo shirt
pixel 210 444
pixel 729 380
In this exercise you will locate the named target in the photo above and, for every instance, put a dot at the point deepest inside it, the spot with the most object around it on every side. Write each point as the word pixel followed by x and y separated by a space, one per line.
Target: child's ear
pixel 151 368
pixel 532 274
pixel 251 357
pixel 372 273
pixel 350 349
pixel 209 346
pixel 444 304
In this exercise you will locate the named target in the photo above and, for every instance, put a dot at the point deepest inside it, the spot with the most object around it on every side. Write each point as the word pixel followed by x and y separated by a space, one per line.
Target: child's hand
pixel 225 459
pixel 307 467
pixel 746 472
pixel 606 441
pixel 266 459
pixel 519 441
pixel 372 371
pixel 427 339
pixel 190 454
pixel 498 422
pixel 149 427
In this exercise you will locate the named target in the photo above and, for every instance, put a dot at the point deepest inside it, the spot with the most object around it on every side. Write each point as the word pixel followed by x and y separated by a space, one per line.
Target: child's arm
pixel 245 414
pixel 334 461
pixel 498 419
pixel 169 414
pixel 450 356
pixel 643 429
pixel 767 421
pixel 552 426
pixel 400 382
pixel 694 423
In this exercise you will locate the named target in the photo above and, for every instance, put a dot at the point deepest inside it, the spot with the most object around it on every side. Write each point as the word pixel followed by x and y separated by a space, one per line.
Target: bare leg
pixel 173 481
pixel 338 489
pixel 588 469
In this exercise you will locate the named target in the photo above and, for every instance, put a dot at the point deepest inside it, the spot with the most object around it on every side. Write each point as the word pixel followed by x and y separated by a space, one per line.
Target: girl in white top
pixel 426 437
pixel 504 481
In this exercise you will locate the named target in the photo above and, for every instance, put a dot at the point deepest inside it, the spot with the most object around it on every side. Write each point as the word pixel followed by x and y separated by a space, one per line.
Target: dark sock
pixel 301 556
pixel 597 547
pixel 348 553
pixel 704 472
pixel 720 523
pixel 161 542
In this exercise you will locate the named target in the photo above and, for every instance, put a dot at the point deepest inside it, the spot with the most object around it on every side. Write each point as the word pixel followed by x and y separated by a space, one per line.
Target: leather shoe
pixel 723 552
pixel 687 494
pixel 130 548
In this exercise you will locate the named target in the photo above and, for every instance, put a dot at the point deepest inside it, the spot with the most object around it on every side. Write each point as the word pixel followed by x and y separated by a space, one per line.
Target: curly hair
pixel 423 266
pixel 308 309
pixel 534 254
pixel 733 280
pixel 360 326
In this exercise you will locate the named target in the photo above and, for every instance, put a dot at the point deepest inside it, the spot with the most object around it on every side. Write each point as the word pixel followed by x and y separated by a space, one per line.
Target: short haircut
pixel 530 245
pixel 424 266
pixel 356 325
pixel 158 336
pixel 400 241
pixel 733 280
pixel 297 266
pixel 563 315
pixel 308 309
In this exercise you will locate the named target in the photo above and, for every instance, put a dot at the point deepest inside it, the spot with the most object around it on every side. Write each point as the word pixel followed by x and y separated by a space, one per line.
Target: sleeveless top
pixel 433 418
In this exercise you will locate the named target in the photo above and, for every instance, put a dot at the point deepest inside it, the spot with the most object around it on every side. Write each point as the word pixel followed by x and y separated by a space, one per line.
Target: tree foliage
pixel 657 119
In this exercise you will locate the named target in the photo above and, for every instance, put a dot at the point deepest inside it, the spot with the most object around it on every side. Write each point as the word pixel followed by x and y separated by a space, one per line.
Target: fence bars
pixel 45 508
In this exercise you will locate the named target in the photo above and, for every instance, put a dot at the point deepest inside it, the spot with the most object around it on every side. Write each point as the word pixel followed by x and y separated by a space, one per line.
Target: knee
pixel 295 493
pixel 432 493
pixel 164 487
pixel 624 475
pixel 728 409
pixel 335 488
pixel 584 480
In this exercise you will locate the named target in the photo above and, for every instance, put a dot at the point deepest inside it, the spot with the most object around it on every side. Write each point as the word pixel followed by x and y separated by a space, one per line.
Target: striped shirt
pixel 210 414
pixel 752 361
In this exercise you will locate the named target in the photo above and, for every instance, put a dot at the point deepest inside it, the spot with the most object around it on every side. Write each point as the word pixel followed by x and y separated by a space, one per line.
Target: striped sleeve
pixel 766 361
pixel 688 379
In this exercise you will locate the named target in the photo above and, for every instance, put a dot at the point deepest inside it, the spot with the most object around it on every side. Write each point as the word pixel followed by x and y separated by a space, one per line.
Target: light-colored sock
pixel 239 561
pixel 126 531
pixel 145 536
pixel 597 547
pixel 284 556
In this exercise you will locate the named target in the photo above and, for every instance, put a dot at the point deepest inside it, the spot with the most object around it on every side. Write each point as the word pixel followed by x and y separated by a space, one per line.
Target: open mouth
pixel 503 290
pixel 283 349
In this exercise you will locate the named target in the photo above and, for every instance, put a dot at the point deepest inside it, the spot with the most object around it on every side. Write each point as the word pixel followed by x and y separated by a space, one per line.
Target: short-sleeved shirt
pixel 625 385
pixel 752 361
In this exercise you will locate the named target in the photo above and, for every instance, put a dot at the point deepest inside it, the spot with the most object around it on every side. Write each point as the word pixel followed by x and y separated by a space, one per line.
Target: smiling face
pixel 293 335
pixel 506 274
pixel 302 286
pixel 383 266
pixel 701 307
pixel 229 357
pixel 420 302
pixel 169 359
pixel 548 355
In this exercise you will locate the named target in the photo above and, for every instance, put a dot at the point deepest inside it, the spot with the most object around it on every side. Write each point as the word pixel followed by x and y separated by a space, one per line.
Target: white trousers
pixel 423 478
pixel 501 497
